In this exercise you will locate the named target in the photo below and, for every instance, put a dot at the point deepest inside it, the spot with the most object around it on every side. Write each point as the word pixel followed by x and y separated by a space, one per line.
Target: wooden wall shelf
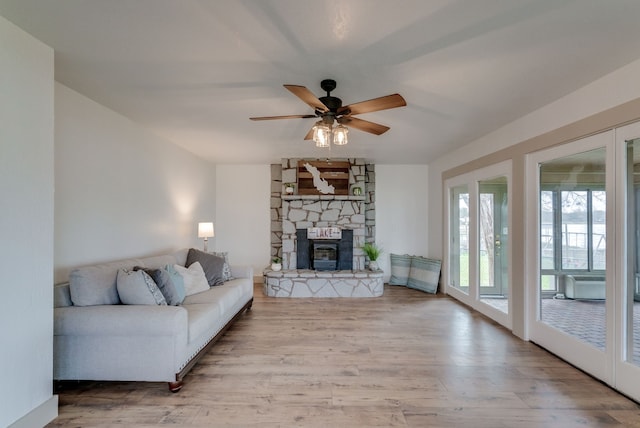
pixel 336 173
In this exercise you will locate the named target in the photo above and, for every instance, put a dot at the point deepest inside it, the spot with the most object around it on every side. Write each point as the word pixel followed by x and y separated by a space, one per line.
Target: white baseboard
pixel 40 416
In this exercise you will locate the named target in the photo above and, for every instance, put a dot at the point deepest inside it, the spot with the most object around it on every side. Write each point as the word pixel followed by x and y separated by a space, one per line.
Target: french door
pixel 583 254
pixel 627 319
pixel 477 269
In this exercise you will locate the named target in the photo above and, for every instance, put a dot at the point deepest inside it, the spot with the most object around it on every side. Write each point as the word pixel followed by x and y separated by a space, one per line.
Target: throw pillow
pixel 194 279
pixel 164 281
pixel 138 288
pixel 211 264
pixel 226 269
pixel 178 282
pixel 94 285
pixel 400 266
pixel 424 274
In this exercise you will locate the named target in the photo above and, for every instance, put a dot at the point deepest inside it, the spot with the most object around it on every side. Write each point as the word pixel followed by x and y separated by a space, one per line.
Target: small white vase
pixel 373 265
pixel 276 266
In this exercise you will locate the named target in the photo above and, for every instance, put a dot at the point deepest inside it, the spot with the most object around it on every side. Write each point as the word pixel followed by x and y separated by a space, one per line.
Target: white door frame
pixel 594 361
pixel 627 375
pixel 472 179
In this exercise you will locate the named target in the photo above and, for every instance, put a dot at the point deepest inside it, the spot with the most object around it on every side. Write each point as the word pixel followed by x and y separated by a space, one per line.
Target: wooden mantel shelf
pixel 323 197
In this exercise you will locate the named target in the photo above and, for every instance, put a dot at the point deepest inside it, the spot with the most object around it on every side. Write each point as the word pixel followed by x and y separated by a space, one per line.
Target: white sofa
pixel 142 342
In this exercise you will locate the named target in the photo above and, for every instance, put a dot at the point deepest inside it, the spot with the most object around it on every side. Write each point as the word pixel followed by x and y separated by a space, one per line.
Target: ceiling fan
pixel 330 109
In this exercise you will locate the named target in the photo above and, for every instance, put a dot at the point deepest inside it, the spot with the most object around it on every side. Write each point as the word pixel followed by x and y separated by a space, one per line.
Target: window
pixel 572 219
pixel 572 238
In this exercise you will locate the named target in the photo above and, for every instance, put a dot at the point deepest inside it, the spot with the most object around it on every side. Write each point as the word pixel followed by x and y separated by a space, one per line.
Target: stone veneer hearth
pixel 310 283
pixel 291 212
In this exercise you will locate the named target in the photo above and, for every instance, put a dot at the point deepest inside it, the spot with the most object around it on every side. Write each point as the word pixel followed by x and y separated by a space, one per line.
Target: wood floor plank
pixel 406 359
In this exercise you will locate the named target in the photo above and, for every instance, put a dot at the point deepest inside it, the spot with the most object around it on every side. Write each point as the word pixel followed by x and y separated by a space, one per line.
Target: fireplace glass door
pixel 325 255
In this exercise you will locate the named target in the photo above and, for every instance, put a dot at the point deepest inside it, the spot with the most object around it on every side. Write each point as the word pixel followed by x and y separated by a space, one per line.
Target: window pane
pixel 547 225
pixel 493 243
pixel 599 234
pixel 574 230
pixel 487 253
pixel 548 283
pixel 459 245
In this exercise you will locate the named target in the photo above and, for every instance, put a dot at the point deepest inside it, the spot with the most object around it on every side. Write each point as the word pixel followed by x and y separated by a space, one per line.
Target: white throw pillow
pixel 194 278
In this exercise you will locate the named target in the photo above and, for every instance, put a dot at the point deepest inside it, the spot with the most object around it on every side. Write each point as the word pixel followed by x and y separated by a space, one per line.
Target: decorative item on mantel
pixel 289 188
pixel 373 252
pixel 276 264
pixel 323 177
pixel 357 191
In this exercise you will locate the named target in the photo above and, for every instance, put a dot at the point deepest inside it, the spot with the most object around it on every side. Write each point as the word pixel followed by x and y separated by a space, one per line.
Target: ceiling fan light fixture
pixel 329 110
pixel 322 134
pixel 340 135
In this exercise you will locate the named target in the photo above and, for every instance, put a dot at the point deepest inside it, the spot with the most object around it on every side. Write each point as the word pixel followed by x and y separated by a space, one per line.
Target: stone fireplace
pixel 354 213
pixel 322 267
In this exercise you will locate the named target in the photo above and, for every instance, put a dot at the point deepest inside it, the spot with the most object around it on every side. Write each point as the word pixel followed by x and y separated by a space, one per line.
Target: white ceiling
pixel 195 71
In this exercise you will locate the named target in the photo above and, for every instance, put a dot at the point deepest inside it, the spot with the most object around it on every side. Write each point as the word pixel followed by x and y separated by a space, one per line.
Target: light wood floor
pixel 404 359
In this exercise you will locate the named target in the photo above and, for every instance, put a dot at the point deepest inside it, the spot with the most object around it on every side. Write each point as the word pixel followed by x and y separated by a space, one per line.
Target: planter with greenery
pixel 276 263
pixel 289 188
pixel 372 252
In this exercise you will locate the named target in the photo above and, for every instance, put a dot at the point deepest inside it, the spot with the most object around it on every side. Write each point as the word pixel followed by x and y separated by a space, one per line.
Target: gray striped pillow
pixel 424 274
pixel 400 265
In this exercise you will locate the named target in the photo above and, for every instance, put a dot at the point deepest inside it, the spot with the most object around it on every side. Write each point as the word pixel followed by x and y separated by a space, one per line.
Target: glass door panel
pixel 632 308
pixel 572 246
pixel 493 242
pixel 459 236
pixel 627 307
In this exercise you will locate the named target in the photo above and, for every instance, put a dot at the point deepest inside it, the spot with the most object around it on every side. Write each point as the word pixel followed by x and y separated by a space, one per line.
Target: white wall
pixel 26 228
pixel 120 190
pixel 614 89
pixel 243 219
pixel 401 211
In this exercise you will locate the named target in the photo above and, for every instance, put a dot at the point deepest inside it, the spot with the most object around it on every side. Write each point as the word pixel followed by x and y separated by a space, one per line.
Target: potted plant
pixel 373 252
pixel 289 188
pixel 276 264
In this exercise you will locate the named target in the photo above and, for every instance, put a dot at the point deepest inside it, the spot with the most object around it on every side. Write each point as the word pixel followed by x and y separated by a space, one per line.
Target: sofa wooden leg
pixel 175 386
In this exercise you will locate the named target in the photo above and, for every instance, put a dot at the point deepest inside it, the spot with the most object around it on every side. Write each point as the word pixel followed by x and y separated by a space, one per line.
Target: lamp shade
pixel 205 230
pixel 321 135
pixel 340 135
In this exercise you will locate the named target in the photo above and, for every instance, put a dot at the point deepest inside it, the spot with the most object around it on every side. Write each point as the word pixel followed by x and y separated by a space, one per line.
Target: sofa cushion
pixel 400 266
pixel 138 288
pixel 96 285
pixel 424 274
pixel 205 320
pixel 194 279
pixel 61 296
pixel 224 296
pixel 165 282
pixel 156 262
pixel 211 264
